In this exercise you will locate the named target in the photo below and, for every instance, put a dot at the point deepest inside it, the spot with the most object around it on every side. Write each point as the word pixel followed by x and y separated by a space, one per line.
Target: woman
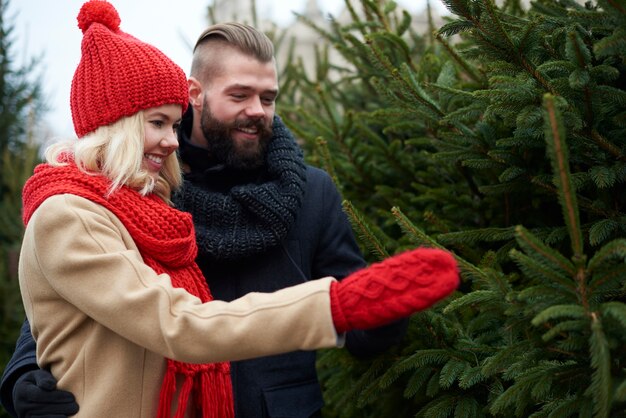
pixel 120 311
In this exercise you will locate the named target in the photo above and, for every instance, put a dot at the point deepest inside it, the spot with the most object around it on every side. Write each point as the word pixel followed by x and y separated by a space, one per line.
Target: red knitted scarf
pixel 166 239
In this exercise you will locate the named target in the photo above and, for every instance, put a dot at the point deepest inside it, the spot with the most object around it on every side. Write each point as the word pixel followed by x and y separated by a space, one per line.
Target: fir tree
pixel 20 107
pixel 501 137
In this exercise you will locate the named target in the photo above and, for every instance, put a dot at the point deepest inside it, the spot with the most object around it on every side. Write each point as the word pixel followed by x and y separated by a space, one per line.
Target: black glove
pixel 35 395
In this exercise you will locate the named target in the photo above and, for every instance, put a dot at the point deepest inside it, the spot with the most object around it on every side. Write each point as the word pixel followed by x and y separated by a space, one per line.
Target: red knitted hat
pixel 118 75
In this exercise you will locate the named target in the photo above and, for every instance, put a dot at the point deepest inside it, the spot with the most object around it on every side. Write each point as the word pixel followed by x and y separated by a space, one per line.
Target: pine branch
pixel 614 250
pixel 441 406
pixel 612 278
pixel 451 371
pixel 431 23
pixel 417 381
pixel 469 70
pixel 601 363
pixel 518 395
pixel 382 16
pixel 538 250
pixel 607 266
pixel 396 43
pixel 470 377
pixel 500 34
pixel 557 312
pixel 415 234
pixel 368 238
pixel 616 310
pixel 327 160
pixel 564 328
pixel 539 271
pixel 602 230
pixel 557 152
pixel 611 45
pixel 578 53
pixel 334 125
pixel 607 145
pixel 405 24
pixel 354 17
pixel 584 203
pixel 477 297
pixel 395 74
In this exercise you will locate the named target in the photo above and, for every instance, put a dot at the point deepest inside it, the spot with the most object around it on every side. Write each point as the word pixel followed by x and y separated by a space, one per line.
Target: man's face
pixel 237 110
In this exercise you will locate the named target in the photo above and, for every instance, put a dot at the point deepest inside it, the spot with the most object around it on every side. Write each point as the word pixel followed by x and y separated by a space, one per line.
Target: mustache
pixel 251 123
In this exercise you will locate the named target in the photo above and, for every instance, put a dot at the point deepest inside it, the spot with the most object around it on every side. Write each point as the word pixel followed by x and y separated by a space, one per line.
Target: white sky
pixel 49 28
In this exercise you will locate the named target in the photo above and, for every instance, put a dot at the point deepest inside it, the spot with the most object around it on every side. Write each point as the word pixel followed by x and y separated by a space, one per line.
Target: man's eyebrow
pixel 246 87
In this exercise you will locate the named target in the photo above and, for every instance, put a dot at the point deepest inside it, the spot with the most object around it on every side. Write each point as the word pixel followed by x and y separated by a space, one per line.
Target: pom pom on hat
pixel 118 75
pixel 101 12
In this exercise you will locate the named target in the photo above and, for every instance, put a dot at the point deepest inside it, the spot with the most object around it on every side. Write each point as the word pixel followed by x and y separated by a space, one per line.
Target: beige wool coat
pixel 104 321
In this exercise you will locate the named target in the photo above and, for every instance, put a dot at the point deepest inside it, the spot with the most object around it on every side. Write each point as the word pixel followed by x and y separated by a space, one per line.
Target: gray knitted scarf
pixel 249 217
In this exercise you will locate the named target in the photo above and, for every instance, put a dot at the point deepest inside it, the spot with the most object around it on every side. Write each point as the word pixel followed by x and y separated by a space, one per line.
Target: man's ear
pixel 195 92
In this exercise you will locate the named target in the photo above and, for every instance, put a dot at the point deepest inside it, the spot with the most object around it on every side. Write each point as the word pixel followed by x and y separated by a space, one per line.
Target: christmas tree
pixel 500 136
pixel 20 107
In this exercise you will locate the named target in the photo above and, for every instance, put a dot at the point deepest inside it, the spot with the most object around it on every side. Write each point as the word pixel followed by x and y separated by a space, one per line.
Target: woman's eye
pixel 157 123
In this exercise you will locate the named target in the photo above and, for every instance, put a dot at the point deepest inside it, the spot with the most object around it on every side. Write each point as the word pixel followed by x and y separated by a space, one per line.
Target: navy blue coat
pixel 319 244
pixel 24 359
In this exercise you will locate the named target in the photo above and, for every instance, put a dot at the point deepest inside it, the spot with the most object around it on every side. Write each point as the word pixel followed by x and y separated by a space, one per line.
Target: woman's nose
pixel 170 140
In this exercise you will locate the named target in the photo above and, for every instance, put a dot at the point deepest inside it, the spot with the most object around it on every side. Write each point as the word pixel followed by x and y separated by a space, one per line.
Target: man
pixel 264 221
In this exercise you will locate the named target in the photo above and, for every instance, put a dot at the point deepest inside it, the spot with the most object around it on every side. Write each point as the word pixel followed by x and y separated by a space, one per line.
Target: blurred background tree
pixel 21 107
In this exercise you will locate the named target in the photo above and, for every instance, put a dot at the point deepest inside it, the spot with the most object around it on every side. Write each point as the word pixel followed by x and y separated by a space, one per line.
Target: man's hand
pixel 35 396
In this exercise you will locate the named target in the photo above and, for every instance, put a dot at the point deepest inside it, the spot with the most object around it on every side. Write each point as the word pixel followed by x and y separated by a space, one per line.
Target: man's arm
pixel 24 360
pixel 27 389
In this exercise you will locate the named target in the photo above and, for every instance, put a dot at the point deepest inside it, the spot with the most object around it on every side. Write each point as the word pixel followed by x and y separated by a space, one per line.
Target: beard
pixel 224 149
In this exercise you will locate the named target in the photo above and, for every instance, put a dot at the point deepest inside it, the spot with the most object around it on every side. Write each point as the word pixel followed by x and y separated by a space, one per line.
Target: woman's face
pixel 160 138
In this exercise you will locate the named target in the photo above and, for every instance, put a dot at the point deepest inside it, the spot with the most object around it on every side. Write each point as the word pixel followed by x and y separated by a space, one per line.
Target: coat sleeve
pixel 78 257
pixel 337 255
pixel 24 359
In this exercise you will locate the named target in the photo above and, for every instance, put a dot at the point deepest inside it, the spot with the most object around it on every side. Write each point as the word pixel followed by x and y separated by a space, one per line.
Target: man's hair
pixel 116 151
pixel 244 38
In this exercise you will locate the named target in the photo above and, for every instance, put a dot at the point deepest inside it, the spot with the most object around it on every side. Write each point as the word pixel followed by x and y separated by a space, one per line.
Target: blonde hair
pixel 116 152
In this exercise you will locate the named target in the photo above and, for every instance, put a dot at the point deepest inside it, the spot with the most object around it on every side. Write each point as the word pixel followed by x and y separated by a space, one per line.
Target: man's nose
pixel 255 108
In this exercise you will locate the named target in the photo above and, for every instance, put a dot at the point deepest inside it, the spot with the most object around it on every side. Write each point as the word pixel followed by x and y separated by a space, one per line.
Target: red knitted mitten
pixel 392 289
